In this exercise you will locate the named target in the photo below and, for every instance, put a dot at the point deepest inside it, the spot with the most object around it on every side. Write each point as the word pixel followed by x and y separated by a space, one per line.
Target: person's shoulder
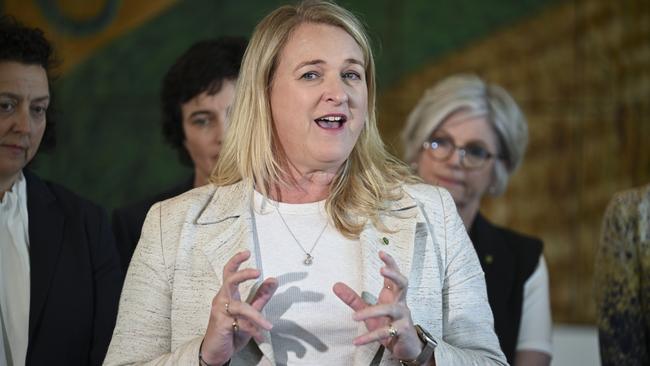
pixel 138 210
pixel 526 250
pixel 191 197
pixel 511 236
pixel 627 214
pixel 190 203
pixel 68 200
pixel 631 201
pixel 429 195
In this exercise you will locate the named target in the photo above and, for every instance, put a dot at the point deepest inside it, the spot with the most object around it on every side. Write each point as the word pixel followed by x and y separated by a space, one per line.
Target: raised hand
pixel 389 321
pixel 233 322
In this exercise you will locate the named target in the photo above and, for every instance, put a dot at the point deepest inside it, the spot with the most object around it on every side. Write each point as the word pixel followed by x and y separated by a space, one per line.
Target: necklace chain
pixel 308 257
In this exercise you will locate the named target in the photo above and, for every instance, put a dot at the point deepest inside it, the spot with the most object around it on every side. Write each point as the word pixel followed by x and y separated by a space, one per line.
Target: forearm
pixel 123 354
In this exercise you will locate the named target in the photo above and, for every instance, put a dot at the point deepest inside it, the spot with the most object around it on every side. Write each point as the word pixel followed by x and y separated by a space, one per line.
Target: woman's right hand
pixel 233 322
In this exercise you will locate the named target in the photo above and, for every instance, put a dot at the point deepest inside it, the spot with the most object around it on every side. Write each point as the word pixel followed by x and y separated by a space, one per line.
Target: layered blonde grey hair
pixel 368 180
pixel 472 94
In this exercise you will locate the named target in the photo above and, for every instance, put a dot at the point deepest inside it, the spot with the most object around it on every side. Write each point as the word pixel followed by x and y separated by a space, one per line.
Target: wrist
pixel 426 353
pixel 205 360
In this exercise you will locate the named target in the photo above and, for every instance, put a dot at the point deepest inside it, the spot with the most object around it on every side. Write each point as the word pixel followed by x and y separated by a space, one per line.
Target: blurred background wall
pixel 580 69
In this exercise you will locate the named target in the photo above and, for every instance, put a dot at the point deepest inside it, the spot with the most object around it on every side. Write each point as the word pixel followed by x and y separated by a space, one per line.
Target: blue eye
pixel 352 75
pixel 310 75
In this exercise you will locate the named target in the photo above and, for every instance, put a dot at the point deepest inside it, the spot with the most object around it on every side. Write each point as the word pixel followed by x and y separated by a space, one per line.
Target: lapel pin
pixel 489 259
pixel 385 241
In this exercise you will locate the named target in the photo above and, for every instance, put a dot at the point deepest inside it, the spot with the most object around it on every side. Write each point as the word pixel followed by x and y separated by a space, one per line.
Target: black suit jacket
pixel 75 277
pixel 128 220
pixel 508 259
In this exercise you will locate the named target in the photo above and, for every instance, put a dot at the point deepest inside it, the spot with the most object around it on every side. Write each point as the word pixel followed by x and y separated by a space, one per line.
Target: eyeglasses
pixel 472 155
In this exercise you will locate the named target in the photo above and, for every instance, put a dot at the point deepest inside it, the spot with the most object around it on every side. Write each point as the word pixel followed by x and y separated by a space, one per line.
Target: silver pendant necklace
pixel 309 259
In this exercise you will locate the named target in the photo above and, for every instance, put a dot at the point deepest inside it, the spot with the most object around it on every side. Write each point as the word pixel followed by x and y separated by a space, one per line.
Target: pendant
pixel 308 260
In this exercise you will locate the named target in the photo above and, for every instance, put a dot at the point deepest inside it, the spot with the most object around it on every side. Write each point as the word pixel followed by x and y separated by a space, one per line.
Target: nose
pixel 217 135
pixel 456 158
pixel 335 91
pixel 21 122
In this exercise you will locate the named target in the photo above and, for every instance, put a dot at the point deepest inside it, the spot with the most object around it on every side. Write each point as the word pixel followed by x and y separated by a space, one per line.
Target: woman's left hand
pixel 389 321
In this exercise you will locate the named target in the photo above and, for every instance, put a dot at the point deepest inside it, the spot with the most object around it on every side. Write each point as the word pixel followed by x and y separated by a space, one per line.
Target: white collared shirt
pixel 14 274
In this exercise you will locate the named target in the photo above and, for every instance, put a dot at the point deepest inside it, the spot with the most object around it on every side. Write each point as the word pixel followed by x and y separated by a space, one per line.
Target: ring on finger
pixel 228 309
pixel 392 331
pixel 235 326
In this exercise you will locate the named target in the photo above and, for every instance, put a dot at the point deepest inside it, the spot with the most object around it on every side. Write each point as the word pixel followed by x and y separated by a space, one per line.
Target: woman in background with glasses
pixel 468 137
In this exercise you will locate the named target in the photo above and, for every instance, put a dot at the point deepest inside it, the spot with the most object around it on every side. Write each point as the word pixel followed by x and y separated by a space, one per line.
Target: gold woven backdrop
pixel 581 72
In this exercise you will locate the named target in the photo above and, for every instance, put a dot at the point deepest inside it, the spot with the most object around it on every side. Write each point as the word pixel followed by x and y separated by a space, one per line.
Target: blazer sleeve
pixel 143 332
pixel 468 325
pixel 623 337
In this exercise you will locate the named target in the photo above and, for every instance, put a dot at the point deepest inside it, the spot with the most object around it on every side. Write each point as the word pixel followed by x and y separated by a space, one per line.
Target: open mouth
pixel 331 121
pixel 449 181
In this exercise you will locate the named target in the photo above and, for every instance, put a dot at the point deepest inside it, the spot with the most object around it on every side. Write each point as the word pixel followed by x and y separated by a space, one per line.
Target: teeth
pixel 332 118
pixel 330 121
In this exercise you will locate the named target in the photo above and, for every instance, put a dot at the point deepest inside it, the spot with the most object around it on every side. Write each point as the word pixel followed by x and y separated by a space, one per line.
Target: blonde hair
pixel 368 179
pixel 472 94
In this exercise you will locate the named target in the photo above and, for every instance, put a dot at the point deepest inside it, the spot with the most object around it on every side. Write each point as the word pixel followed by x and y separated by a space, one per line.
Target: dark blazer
pixel 508 259
pixel 75 277
pixel 128 220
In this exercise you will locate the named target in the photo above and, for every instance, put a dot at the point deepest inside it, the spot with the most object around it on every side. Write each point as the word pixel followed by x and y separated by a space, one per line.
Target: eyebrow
pixel 20 97
pixel 319 61
pixel 201 111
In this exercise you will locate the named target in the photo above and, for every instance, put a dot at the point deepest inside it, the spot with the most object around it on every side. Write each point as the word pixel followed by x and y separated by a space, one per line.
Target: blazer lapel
pixel 46 222
pixel 224 228
pixel 401 221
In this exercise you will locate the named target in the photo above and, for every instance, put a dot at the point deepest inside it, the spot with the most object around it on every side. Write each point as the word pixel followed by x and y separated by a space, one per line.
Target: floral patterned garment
pixel 622 280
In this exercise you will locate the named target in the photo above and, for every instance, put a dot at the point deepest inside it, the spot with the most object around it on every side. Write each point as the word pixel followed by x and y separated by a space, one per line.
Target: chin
pixel 329 159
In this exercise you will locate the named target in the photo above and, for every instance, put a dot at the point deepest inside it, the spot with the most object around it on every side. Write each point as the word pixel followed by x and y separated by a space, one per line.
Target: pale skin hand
pixel 221 341
pixel 390 308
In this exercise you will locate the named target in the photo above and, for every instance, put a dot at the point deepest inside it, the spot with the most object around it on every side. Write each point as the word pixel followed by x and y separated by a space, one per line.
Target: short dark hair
pixel 202 68
pixel 25 45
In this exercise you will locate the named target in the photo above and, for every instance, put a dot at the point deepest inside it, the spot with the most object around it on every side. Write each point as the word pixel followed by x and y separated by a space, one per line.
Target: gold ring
pixel 392 332
pixel 235 326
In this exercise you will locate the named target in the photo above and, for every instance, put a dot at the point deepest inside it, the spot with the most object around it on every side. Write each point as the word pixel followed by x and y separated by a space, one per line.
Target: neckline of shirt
pixel 266 206
pixel 16 190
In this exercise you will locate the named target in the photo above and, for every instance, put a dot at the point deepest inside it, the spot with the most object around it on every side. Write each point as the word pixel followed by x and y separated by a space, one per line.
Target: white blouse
pixel 301 336
pixel 14 274
pixel 535 327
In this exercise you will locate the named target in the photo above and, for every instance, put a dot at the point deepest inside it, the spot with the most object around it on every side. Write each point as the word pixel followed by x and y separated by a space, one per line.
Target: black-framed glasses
pixel 472 156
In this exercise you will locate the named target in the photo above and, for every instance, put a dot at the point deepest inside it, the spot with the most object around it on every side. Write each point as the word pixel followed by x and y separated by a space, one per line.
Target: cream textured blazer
pixel 177 267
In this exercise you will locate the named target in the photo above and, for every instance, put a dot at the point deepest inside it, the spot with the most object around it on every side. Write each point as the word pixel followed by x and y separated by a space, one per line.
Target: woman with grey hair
pixel 469 137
